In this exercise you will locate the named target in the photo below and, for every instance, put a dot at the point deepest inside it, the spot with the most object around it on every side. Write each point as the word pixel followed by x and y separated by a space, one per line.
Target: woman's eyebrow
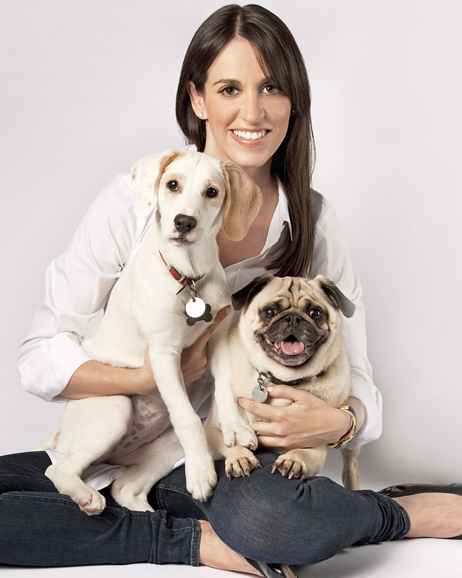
pixel 226 81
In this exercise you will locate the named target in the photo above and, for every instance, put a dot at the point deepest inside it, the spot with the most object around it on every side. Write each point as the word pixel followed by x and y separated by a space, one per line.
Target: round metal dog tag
pixel 259 393
pixel 195 307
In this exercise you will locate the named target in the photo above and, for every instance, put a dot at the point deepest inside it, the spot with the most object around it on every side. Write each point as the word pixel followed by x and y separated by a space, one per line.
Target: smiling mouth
pixel 250 135
pixel 289 347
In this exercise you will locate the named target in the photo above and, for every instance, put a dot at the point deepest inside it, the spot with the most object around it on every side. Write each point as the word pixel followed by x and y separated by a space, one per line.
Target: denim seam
pixel 154 556
pixel 195 542
pixel 407 522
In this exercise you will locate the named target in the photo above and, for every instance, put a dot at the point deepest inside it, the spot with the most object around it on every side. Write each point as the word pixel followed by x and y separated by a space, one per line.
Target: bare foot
pixel 433 515
pixel 214 553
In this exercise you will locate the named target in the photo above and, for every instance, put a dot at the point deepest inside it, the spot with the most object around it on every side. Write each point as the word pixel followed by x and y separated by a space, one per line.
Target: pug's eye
pixel 269 313
pixel 211 193
pixel 172 185
pixel 316 314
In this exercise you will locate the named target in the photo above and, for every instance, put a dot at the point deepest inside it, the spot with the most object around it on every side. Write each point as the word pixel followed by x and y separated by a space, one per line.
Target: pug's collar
pixel 274 380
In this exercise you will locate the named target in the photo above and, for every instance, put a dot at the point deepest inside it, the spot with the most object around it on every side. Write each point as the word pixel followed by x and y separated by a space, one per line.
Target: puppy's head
pixel 193 192
pixel 293 321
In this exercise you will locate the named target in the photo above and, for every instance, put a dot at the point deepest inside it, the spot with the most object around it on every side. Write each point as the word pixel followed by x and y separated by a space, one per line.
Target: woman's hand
pixel 306 423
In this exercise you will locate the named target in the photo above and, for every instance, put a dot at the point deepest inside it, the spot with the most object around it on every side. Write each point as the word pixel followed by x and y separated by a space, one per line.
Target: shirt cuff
pixel 49 370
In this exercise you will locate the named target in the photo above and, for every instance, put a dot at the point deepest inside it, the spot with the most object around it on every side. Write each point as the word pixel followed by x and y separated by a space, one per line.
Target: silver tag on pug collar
pixel 260 393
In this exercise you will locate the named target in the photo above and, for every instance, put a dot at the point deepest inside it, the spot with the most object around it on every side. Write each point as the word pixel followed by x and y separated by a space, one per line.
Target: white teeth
pixel 249 135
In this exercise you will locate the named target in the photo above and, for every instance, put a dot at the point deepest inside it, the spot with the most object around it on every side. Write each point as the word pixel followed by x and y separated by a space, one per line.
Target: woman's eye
pixel 172 185
pixel 229 90
pixel 271 89
pixel 316 314
pixel 211 193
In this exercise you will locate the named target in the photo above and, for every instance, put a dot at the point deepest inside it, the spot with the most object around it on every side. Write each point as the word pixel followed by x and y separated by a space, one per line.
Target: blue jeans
pixel 264 516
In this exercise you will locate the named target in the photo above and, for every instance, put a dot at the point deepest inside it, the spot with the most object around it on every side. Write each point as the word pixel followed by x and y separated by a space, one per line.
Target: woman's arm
pixel 332 259
pixel 77 287
pixel 96 379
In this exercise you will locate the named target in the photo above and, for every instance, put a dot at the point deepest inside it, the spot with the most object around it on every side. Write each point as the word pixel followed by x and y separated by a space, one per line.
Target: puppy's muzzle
pixel 184 224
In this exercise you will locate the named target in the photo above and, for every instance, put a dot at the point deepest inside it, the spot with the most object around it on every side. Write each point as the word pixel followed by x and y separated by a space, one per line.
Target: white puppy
pixel 158 303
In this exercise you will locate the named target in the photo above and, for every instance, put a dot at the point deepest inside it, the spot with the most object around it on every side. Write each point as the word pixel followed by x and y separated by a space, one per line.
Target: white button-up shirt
pixel 78 284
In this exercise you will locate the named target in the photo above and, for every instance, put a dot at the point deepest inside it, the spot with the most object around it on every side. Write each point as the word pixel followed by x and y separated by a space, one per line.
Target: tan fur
pixel 247 356
pixel 242 206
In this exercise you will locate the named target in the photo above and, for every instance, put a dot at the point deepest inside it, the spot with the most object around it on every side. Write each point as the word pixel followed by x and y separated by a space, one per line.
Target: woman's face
pixel 247 116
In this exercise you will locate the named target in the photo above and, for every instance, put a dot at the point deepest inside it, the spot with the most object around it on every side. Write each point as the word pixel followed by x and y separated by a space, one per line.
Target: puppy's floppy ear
pixel 146 175
pixel 243 200
pixel 336 297
pixel 241 299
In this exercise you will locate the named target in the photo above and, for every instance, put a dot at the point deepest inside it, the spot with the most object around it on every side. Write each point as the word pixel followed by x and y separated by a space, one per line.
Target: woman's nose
pixel 252 109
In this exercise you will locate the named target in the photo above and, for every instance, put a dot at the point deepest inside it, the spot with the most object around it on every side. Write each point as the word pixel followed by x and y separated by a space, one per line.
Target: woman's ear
pixel 197 101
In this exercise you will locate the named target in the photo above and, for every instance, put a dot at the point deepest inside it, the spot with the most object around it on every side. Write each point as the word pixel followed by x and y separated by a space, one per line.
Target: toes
pixel 289 468
pixel 91 502
pixel 241 467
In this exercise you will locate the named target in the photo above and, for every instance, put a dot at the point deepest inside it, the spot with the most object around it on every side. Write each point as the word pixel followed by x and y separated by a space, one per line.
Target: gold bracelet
pixel 350 434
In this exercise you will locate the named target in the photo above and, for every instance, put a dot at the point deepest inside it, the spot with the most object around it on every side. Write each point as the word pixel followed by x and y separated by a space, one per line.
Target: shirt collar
pixel 280 220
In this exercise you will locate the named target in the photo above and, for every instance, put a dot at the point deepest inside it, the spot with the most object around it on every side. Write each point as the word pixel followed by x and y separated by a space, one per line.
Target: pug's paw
pixel 291 465
pixel 240 462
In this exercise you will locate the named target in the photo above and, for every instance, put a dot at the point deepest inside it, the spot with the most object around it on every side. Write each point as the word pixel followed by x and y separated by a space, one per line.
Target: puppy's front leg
pixel 201 477
pixel 234 425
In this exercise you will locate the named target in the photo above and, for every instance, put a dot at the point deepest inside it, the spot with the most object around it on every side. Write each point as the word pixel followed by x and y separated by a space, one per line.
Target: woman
pixel 244 96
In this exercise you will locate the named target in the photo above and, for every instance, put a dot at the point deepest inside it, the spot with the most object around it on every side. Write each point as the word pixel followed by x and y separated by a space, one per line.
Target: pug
pixel 288 333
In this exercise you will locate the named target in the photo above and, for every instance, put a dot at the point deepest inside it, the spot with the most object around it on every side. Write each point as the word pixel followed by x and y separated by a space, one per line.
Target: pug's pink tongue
pixel 292 347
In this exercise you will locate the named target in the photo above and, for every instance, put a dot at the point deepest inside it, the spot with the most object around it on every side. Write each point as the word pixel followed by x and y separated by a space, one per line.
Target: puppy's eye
pixel 316 314
pixel 172 185
pixel 269 312
pixel 211 193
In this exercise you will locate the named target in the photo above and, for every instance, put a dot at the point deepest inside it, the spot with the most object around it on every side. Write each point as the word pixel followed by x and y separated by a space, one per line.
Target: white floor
pixel 423 558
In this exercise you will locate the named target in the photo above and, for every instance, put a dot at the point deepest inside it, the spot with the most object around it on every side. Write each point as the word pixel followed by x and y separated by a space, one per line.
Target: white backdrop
pixel 87 87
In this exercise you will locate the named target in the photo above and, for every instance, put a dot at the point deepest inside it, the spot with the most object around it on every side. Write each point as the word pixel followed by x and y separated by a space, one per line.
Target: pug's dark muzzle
pixel 291 340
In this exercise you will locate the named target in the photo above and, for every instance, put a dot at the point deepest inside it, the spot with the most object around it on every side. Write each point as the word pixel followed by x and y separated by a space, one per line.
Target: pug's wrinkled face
pixel 294 325
pixel 292 318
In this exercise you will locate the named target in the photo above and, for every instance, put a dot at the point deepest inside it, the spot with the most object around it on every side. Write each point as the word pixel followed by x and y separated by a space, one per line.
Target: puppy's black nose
pixel 184 224
pixel 293 320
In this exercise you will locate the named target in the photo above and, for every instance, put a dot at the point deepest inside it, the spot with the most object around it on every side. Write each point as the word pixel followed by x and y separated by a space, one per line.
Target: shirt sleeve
pixel 78 284
pixel 331 259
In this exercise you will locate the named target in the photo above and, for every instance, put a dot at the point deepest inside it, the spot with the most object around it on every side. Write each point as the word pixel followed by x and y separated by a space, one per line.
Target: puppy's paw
pixel 89 500
pixel 290 465
pixel 239 433
pixel 201 479
pixel 240 462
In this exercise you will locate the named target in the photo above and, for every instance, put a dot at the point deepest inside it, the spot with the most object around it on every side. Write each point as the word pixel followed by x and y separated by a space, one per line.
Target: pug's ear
pixel 146 175
pixel 336 297
pixel 241 299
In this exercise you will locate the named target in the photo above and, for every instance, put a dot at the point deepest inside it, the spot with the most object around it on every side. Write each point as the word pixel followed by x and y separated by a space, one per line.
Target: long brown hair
pixel 282 61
